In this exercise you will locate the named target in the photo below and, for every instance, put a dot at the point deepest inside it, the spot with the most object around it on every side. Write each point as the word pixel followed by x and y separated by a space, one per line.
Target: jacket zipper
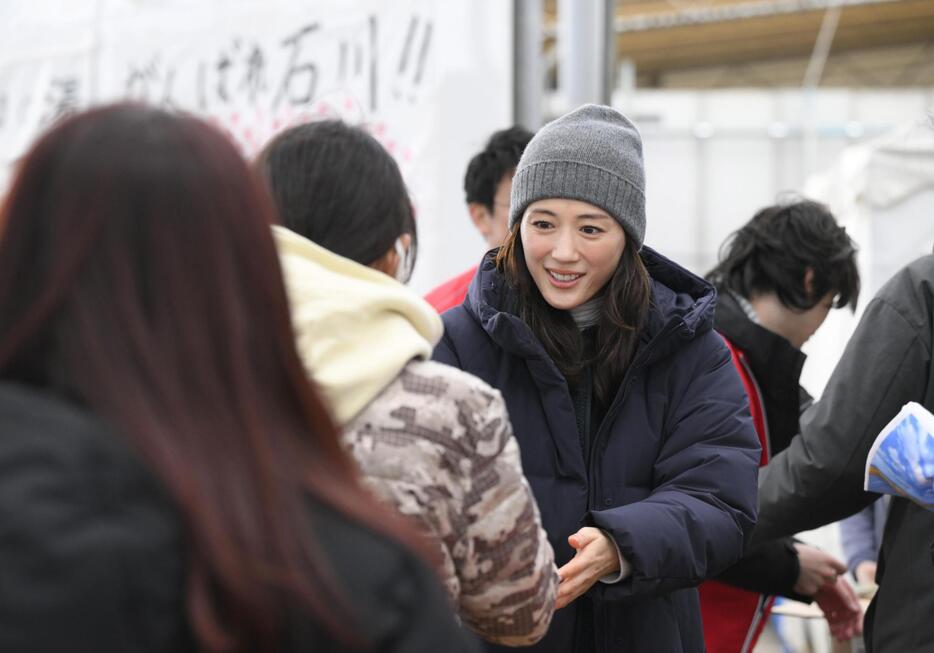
pixel 611 413
pixel 628 378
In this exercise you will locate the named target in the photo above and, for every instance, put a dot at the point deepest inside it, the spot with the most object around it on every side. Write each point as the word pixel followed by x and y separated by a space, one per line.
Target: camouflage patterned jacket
pixel 432 440
pixel 437 443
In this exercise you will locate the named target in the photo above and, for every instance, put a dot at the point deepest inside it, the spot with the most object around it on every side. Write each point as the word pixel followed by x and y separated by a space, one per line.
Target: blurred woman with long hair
pixel 169 480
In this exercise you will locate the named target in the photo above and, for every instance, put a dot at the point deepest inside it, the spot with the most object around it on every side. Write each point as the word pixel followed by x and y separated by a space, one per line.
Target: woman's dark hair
pixel 138 276
pixel 335 185
pixel 626 300
pixel 775 249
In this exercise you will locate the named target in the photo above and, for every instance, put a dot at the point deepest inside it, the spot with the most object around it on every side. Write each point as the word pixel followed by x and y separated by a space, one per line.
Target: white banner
pixel 254 67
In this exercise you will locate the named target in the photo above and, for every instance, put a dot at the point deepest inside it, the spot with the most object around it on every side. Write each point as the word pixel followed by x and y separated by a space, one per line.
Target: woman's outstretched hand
pixel 595 558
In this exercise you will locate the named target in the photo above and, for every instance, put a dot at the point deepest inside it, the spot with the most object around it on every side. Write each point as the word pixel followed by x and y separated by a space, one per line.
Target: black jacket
pixel 671 470
pixel 770 567
pixel 92 552
pixel 819 478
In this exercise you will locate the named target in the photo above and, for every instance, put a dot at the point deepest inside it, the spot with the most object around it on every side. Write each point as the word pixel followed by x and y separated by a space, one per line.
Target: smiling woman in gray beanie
pixel 633 424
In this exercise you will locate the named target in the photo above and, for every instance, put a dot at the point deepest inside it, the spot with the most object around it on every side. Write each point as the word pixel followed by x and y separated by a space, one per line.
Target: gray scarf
pixel 588 314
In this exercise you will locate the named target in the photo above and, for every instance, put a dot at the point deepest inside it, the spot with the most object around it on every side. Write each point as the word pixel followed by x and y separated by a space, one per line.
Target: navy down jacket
pixel 673 466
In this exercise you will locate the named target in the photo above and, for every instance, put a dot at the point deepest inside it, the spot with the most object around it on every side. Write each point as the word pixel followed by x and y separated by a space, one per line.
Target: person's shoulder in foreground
pixel 439 421
pixel 100 524
pixel 819 478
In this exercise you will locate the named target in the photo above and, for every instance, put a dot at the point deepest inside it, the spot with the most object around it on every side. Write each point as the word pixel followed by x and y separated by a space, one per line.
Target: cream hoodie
pixel 355 327
pixel 429 439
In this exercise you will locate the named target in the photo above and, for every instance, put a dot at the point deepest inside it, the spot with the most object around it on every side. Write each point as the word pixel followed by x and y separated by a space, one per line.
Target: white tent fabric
pixel 899 165
pixel 883 192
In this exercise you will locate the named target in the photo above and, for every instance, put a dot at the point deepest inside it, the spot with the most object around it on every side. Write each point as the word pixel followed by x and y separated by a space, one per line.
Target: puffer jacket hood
pixel 682 307
pixel 355 327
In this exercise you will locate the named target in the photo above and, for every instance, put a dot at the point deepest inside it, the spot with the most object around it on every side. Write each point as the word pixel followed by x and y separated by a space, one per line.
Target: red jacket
pixel 451 293
pixel 734 618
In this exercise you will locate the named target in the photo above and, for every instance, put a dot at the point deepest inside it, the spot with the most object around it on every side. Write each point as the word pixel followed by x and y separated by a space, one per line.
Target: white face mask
pixel 404 269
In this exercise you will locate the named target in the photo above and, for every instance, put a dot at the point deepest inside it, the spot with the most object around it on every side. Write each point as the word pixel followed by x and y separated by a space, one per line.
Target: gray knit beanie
pixel 593 154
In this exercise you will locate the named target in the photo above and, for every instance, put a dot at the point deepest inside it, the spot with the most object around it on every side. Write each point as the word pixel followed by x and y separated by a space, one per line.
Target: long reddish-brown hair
pixel 138 276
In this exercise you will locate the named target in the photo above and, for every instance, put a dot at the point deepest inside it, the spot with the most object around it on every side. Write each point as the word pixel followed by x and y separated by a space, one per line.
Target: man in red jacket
pixel 777 280
pixel 488 185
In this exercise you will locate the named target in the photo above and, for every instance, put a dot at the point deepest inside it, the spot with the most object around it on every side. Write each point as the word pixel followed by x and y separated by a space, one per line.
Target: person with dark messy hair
pixel 169 480
pixel 778 277
pixel 433 442
pixel 819 479
pixel 633 426
pixel 790 259
pixel 487 185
